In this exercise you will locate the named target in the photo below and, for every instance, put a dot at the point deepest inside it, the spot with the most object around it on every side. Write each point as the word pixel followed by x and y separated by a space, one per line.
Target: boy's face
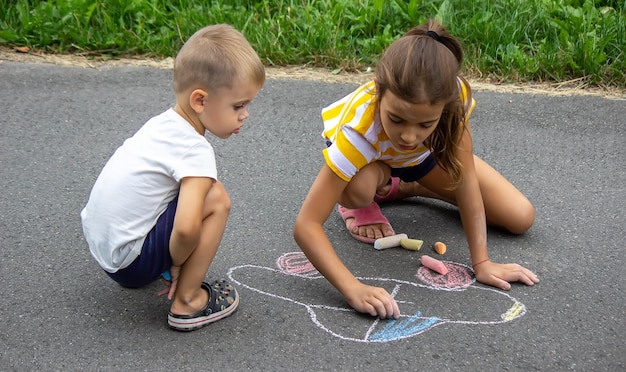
pixel 225 109
pixel 408 124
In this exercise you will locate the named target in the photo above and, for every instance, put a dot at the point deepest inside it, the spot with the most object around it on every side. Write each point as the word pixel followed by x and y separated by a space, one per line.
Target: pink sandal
pixel 369 215
pixel 392 194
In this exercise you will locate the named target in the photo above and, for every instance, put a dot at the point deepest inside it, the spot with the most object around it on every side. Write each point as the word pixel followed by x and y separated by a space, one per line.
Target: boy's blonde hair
pixel 216 57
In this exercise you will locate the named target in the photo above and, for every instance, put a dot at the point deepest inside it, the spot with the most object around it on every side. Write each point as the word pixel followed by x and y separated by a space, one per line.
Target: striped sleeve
pixel 469 103
pixel 347 124
pixel 346 110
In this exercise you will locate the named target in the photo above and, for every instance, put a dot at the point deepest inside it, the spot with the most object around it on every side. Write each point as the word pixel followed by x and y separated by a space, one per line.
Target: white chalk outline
pixel 516 310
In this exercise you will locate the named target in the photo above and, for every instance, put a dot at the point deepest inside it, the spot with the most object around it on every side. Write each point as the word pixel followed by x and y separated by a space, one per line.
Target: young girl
pixel 409 125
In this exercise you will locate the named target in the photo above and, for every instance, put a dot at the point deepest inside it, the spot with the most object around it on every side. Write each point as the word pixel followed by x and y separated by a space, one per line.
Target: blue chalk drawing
pixel 401 329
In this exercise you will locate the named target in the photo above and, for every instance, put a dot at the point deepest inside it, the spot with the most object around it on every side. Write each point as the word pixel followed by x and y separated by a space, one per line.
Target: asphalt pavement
pixel 59 311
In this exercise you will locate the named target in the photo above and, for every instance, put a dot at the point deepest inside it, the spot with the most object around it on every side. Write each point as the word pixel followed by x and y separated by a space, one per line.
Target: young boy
pixel 157 204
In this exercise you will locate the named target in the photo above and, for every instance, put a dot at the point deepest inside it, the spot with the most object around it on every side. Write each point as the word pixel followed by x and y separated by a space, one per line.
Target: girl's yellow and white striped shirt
pixel 353 126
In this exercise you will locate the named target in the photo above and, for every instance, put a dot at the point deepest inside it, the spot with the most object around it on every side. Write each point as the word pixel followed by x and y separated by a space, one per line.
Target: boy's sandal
pixel 370 215
pixel 223 301
pixel 392 194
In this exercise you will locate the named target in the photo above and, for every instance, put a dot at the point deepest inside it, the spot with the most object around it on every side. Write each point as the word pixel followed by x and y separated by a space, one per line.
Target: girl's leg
pixel 190 297
pixel 505 206
pixel 359 193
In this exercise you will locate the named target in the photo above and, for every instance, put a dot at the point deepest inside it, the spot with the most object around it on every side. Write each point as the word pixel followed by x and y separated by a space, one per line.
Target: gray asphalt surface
pixel 60 312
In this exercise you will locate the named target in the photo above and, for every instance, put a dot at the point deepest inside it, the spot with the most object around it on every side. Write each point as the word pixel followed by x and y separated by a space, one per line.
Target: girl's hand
pixel 500 275
pixel 374 301
pixel 170 286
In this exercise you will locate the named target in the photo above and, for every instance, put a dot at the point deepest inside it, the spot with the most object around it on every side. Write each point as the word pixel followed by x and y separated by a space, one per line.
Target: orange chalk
pixel 434 264
pixel 440 247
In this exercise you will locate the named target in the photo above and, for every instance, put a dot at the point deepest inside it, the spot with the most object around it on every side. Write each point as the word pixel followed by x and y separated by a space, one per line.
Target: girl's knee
pixel 523 219
pixel 361 189
pixel 355 201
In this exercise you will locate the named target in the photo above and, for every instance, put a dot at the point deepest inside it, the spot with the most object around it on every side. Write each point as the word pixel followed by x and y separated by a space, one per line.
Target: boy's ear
pixel 196 100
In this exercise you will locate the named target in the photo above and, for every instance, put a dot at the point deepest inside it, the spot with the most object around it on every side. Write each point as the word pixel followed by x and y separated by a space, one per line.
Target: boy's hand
pixel 374 301
pixel 170 289
pixel 500 275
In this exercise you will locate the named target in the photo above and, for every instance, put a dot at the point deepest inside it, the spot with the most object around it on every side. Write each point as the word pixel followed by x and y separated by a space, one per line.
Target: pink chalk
pixel 434 264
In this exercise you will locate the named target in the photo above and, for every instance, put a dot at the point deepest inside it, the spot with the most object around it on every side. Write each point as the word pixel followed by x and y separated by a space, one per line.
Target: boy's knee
pixel 227 204
pixel 224 202
pixel 218 199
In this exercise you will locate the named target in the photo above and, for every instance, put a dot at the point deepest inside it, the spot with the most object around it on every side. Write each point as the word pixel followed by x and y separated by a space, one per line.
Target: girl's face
pixel 408 124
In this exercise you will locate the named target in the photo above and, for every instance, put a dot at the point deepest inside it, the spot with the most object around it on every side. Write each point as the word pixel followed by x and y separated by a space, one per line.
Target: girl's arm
pixel 472 209
pixel 310 236
pixel 470 203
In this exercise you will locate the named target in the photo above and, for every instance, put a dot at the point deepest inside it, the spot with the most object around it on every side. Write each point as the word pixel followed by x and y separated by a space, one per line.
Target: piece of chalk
pixel 389 241
pixel 440 247
pixel 411 244
pixel 434 264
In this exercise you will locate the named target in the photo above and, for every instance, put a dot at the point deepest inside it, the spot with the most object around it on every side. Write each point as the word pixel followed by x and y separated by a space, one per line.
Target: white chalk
pixel 389 241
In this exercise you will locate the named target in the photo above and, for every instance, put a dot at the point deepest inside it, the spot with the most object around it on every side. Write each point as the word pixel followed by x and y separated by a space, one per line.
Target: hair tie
pixel 433 35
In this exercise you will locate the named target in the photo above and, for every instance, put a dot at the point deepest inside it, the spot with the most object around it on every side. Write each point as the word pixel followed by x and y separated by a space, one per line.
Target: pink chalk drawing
pixel 296 263
pixel 458 277
pixel 420 312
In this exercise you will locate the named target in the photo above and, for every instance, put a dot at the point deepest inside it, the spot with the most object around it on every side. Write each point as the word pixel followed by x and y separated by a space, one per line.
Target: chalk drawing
pixel 420 312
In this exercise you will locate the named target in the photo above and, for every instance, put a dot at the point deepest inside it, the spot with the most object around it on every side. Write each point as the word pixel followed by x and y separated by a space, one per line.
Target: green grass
pixel 510 40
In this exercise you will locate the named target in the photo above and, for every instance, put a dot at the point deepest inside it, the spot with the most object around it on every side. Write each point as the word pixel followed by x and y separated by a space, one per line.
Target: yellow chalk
pixel 411 244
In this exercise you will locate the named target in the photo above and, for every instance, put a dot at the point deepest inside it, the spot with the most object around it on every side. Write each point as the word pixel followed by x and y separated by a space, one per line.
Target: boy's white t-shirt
pixel 137 183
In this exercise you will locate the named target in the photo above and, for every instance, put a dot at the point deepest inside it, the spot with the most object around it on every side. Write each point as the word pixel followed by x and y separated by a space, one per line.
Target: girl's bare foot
pixel 375 231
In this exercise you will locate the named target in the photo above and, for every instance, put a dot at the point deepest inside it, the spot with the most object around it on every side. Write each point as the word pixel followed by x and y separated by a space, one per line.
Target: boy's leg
pixel 190 297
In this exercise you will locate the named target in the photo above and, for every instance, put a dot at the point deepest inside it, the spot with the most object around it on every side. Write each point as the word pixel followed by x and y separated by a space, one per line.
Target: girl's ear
pixel 196 100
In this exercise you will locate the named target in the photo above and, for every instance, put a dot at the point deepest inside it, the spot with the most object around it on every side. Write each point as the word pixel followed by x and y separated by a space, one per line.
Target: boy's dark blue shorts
pixel 155 255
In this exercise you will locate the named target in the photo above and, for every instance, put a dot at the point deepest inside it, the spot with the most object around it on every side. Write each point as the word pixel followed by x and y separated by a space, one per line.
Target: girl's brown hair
pixel 423 67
